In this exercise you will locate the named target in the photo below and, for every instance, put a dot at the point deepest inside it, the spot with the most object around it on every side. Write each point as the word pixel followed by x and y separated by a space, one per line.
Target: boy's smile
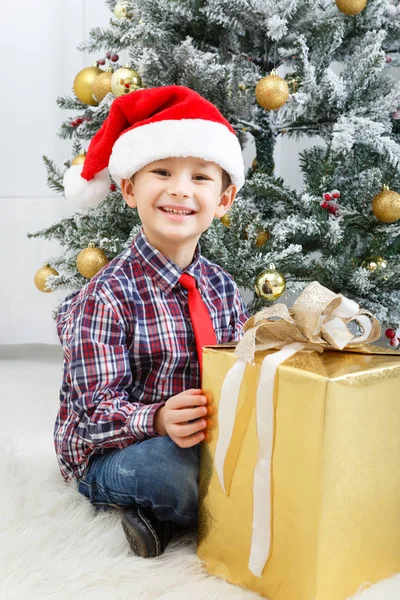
pixel 176 212
pixel 177 199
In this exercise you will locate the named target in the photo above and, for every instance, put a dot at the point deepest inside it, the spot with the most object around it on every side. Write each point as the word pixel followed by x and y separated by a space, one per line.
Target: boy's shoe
pixel 147 536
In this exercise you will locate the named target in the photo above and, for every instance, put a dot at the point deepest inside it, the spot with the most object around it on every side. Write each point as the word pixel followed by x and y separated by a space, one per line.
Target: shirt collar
pixel 163 271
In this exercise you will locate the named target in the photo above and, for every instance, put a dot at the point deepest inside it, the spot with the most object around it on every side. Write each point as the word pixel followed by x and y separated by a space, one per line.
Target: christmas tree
pixel 273 68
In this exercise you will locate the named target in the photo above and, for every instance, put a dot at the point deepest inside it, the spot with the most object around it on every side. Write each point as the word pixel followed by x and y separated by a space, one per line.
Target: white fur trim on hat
pixel 200 138
pixel 83 193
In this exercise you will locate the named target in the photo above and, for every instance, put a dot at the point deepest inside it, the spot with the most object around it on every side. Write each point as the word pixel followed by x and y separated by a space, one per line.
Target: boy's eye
pixel 163 172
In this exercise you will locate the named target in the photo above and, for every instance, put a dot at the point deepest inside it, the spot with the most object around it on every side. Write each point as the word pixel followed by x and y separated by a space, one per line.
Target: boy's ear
pixel 127 190
pixel 226 201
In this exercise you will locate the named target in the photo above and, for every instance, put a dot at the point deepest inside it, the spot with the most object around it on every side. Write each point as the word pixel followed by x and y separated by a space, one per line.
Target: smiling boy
pixel 163 190
pixel 132 413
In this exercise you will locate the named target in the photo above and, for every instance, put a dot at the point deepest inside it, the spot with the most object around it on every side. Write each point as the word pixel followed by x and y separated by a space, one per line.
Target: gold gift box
pixel 335 475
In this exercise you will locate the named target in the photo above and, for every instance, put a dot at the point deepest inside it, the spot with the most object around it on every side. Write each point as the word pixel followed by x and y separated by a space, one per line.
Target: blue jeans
pixel 155 473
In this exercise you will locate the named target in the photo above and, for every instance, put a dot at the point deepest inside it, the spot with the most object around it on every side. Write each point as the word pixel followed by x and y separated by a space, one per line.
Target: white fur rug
pixel 53 546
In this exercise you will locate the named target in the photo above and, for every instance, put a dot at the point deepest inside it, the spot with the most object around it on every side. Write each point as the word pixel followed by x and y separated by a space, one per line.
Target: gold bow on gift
pixel 318 320
pixel 318 316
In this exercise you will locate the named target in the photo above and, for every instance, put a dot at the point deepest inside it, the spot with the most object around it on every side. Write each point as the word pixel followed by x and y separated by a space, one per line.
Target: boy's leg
pixel 153 477
pixel 155 473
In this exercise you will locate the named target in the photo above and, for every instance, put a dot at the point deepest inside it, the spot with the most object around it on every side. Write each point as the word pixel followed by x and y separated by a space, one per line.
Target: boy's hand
pixel 173 418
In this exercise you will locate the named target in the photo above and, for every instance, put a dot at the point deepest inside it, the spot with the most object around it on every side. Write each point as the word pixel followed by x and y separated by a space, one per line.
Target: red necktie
pixel 202 324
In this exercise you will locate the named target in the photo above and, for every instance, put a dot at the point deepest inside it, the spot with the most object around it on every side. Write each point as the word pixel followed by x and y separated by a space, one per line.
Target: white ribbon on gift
pixel 334 326
pixel 331 327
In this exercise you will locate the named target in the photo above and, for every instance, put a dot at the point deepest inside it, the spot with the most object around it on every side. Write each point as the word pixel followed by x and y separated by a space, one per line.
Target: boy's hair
pixel 226 180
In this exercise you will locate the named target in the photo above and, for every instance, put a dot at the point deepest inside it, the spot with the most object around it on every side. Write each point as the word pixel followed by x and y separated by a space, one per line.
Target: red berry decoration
pixel 335 194
pixel 73 123
pixel 327 197
pixel 78 121
pixel 113 187
pixel 390 333
pixel 333 208
pixel 101 62
pixel 394 342
pixel 324 204
pixel 114 57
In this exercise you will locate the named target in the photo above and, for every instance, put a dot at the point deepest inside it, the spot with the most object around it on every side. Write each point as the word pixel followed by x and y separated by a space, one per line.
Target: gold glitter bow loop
pixel 319 316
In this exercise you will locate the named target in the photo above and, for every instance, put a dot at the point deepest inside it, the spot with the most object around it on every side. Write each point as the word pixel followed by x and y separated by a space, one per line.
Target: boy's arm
pixel 99 379
pixel 239 316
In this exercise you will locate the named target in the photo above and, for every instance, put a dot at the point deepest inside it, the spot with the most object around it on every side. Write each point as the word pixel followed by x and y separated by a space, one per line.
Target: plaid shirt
pixel 129 346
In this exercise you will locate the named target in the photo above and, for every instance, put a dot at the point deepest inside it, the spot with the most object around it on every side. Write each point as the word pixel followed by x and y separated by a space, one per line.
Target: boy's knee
pixel 174 471
pixel 172 462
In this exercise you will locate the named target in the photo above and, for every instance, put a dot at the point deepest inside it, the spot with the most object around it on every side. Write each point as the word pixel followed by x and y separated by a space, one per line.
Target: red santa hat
pixel 148 125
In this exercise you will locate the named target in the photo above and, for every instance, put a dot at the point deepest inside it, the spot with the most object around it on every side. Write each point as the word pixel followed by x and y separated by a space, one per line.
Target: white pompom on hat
pixel 148 125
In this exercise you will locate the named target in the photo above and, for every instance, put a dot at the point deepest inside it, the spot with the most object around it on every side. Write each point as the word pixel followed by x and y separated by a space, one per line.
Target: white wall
pixel 38 43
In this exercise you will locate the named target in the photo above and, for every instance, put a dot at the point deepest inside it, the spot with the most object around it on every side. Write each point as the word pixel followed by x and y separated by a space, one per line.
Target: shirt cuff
pixel 142 423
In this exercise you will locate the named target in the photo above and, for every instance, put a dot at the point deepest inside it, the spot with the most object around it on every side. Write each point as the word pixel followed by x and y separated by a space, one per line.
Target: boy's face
pixel 163 189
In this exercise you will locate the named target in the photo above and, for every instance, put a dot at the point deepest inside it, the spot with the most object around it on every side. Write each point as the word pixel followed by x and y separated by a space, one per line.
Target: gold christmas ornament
pixel 374 263
pixel 262 238
pixel 122 10
pixel 226 220
pixel 386 205
pixel 272 91
pixel 79 160
pixel 293 83
pixel 41 277
pixel 90 260
pixel 83 84
pixel 101 85
pixel 125 80
pixel 351 7
pixel 270 284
